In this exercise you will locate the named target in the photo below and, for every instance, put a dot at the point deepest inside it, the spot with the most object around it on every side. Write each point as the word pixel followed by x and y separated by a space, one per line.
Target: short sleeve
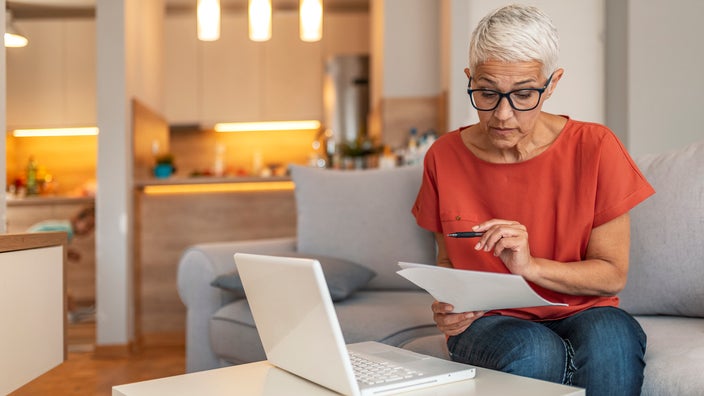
pixel 426 207
pixel 621 186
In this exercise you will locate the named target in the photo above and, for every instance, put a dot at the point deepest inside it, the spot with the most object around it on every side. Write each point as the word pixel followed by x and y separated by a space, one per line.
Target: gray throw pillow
pixel 364 216
pixel 342 277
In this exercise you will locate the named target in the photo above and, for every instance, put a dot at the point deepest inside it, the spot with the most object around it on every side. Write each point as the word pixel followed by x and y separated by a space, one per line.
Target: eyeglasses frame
pixel 507 95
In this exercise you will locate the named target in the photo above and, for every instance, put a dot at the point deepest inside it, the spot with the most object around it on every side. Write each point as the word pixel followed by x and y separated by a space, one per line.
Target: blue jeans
pixel 599 349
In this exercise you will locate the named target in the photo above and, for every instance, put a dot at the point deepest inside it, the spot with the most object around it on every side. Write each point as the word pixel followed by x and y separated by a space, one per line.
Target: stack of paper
pixel 473 290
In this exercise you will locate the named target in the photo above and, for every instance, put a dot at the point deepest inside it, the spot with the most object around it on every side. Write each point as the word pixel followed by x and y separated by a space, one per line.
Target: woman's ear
pixel 466 72
pixel 556 76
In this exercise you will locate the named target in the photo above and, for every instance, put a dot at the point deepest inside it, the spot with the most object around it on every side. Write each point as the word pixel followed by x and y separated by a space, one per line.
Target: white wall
pixel 128 65
pixel 113 203
pixel 411 51
pixel 454 39
pixel 3 122
pixel 665 71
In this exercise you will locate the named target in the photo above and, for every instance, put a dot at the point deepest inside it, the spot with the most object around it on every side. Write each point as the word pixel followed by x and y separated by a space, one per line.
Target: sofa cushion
pixel 431 345
pixel 674 357
pixel 391 317
pixel 667 248
pixel 364 216
pixel 342 277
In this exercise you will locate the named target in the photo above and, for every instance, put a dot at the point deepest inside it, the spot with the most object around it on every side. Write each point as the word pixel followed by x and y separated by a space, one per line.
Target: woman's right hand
pixel 452 324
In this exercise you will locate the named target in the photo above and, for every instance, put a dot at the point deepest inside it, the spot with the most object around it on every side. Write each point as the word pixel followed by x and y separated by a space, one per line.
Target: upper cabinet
pixel 235 79
pixel 51 82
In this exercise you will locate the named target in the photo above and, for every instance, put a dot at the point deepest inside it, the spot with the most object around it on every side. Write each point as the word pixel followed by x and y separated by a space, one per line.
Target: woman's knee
pixel 599 330
pixel 512 345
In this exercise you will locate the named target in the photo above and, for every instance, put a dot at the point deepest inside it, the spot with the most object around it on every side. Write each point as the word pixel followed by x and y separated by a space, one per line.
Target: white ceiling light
pixel 208 20
pixel 311 20
pixel 259 20
pixel 13 38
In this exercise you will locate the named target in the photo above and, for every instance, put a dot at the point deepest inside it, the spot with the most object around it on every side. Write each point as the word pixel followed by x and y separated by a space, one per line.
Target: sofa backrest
pixel 666 275
pixel 362 216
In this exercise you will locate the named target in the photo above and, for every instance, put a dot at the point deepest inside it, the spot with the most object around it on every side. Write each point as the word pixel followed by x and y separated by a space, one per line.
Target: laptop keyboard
pixel 372 372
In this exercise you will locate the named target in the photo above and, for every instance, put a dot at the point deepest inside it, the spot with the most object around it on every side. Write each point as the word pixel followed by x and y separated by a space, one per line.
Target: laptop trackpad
pixel 398 357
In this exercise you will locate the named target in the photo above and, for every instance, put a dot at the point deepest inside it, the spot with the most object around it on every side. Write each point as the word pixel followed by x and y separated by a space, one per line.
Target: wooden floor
pixel 83 374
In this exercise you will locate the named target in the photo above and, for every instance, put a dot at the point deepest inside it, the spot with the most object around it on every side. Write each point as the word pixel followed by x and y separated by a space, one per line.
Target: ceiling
pixel 66 8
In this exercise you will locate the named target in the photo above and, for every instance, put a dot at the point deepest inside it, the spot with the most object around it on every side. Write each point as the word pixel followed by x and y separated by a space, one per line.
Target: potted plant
pixel 164 165
pixel 357 154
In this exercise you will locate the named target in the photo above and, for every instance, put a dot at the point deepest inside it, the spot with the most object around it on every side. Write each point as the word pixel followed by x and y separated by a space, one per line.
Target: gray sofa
pixel 364 217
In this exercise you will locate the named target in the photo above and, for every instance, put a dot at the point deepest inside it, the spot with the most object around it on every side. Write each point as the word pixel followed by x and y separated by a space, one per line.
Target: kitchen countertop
pixel 141 184
pixel 208 180
pixel 48 199
pixel 209 185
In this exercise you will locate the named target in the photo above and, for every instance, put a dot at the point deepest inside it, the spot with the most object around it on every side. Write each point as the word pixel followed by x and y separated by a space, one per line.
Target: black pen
pixel 465 234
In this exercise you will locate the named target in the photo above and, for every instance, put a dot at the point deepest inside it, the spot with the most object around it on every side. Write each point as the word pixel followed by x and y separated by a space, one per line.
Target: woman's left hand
pixel 509 241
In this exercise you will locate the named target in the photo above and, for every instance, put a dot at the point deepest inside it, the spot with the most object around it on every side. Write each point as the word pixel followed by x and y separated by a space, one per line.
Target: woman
pixel 550 196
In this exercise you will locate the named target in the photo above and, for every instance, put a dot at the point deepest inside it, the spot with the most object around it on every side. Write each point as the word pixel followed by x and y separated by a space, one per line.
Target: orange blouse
pixel 584 179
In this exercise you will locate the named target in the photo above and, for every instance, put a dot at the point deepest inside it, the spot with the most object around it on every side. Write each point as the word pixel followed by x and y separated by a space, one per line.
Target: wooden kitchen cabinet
pixel 293 73
pixel 209 82
pixel 181 68
pixel 231 74
pixel 51 82
pixel 167 224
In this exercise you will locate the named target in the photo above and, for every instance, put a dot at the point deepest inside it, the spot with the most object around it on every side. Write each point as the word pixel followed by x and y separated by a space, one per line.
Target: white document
pixel 473 290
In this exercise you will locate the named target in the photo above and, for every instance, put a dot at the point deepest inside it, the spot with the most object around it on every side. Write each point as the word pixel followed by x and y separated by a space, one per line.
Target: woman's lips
pixel 502 131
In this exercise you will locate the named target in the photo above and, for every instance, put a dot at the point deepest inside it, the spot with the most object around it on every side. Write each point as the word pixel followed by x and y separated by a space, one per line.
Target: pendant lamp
pixel 311 20
pixel 259 20
pixel 208 20
pixel 13 38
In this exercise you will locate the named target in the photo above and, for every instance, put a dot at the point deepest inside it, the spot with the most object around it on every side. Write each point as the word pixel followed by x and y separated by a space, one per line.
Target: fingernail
pixel 478 246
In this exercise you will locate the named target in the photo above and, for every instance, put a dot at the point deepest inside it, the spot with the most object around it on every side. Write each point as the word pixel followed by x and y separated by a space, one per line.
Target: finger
pixel 456 319
pixel 492 237
pixel 460 326
pixel 441 307
pixel 491 223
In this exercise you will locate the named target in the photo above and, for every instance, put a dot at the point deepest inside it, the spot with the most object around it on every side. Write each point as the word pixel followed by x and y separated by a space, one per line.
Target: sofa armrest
pixel 198 267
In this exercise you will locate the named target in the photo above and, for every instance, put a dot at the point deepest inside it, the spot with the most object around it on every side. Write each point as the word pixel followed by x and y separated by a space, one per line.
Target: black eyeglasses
pixel 525 99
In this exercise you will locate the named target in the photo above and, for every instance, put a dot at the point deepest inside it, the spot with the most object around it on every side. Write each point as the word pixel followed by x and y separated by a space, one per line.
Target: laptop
pixel 300 333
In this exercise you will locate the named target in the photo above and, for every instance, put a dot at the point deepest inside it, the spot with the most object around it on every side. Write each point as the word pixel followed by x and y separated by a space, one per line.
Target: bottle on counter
pixel 387 159
pixel 219 163
pixel 411 155
pixel 31 174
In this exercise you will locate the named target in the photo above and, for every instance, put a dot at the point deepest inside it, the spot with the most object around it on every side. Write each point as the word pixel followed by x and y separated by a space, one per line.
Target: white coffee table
pixel 263 379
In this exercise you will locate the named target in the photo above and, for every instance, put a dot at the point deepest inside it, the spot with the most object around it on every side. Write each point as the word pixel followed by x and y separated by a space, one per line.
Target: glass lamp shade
pixel 208 20
pixel 13 38
pixel 311 20
pixel 259 20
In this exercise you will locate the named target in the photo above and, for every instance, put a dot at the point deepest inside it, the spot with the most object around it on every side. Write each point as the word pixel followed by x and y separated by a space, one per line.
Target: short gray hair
pixel 515 33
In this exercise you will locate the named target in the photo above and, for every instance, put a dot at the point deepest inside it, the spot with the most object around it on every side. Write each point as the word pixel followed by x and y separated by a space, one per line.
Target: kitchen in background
pixel 51 84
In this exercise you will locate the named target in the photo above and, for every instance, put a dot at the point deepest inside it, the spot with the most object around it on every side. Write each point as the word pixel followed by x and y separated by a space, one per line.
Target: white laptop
pixel 298 327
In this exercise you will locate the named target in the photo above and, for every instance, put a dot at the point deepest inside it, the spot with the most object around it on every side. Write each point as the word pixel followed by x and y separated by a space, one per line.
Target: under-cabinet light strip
pixel 87 131
pixel 218 187
pixel 267 126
